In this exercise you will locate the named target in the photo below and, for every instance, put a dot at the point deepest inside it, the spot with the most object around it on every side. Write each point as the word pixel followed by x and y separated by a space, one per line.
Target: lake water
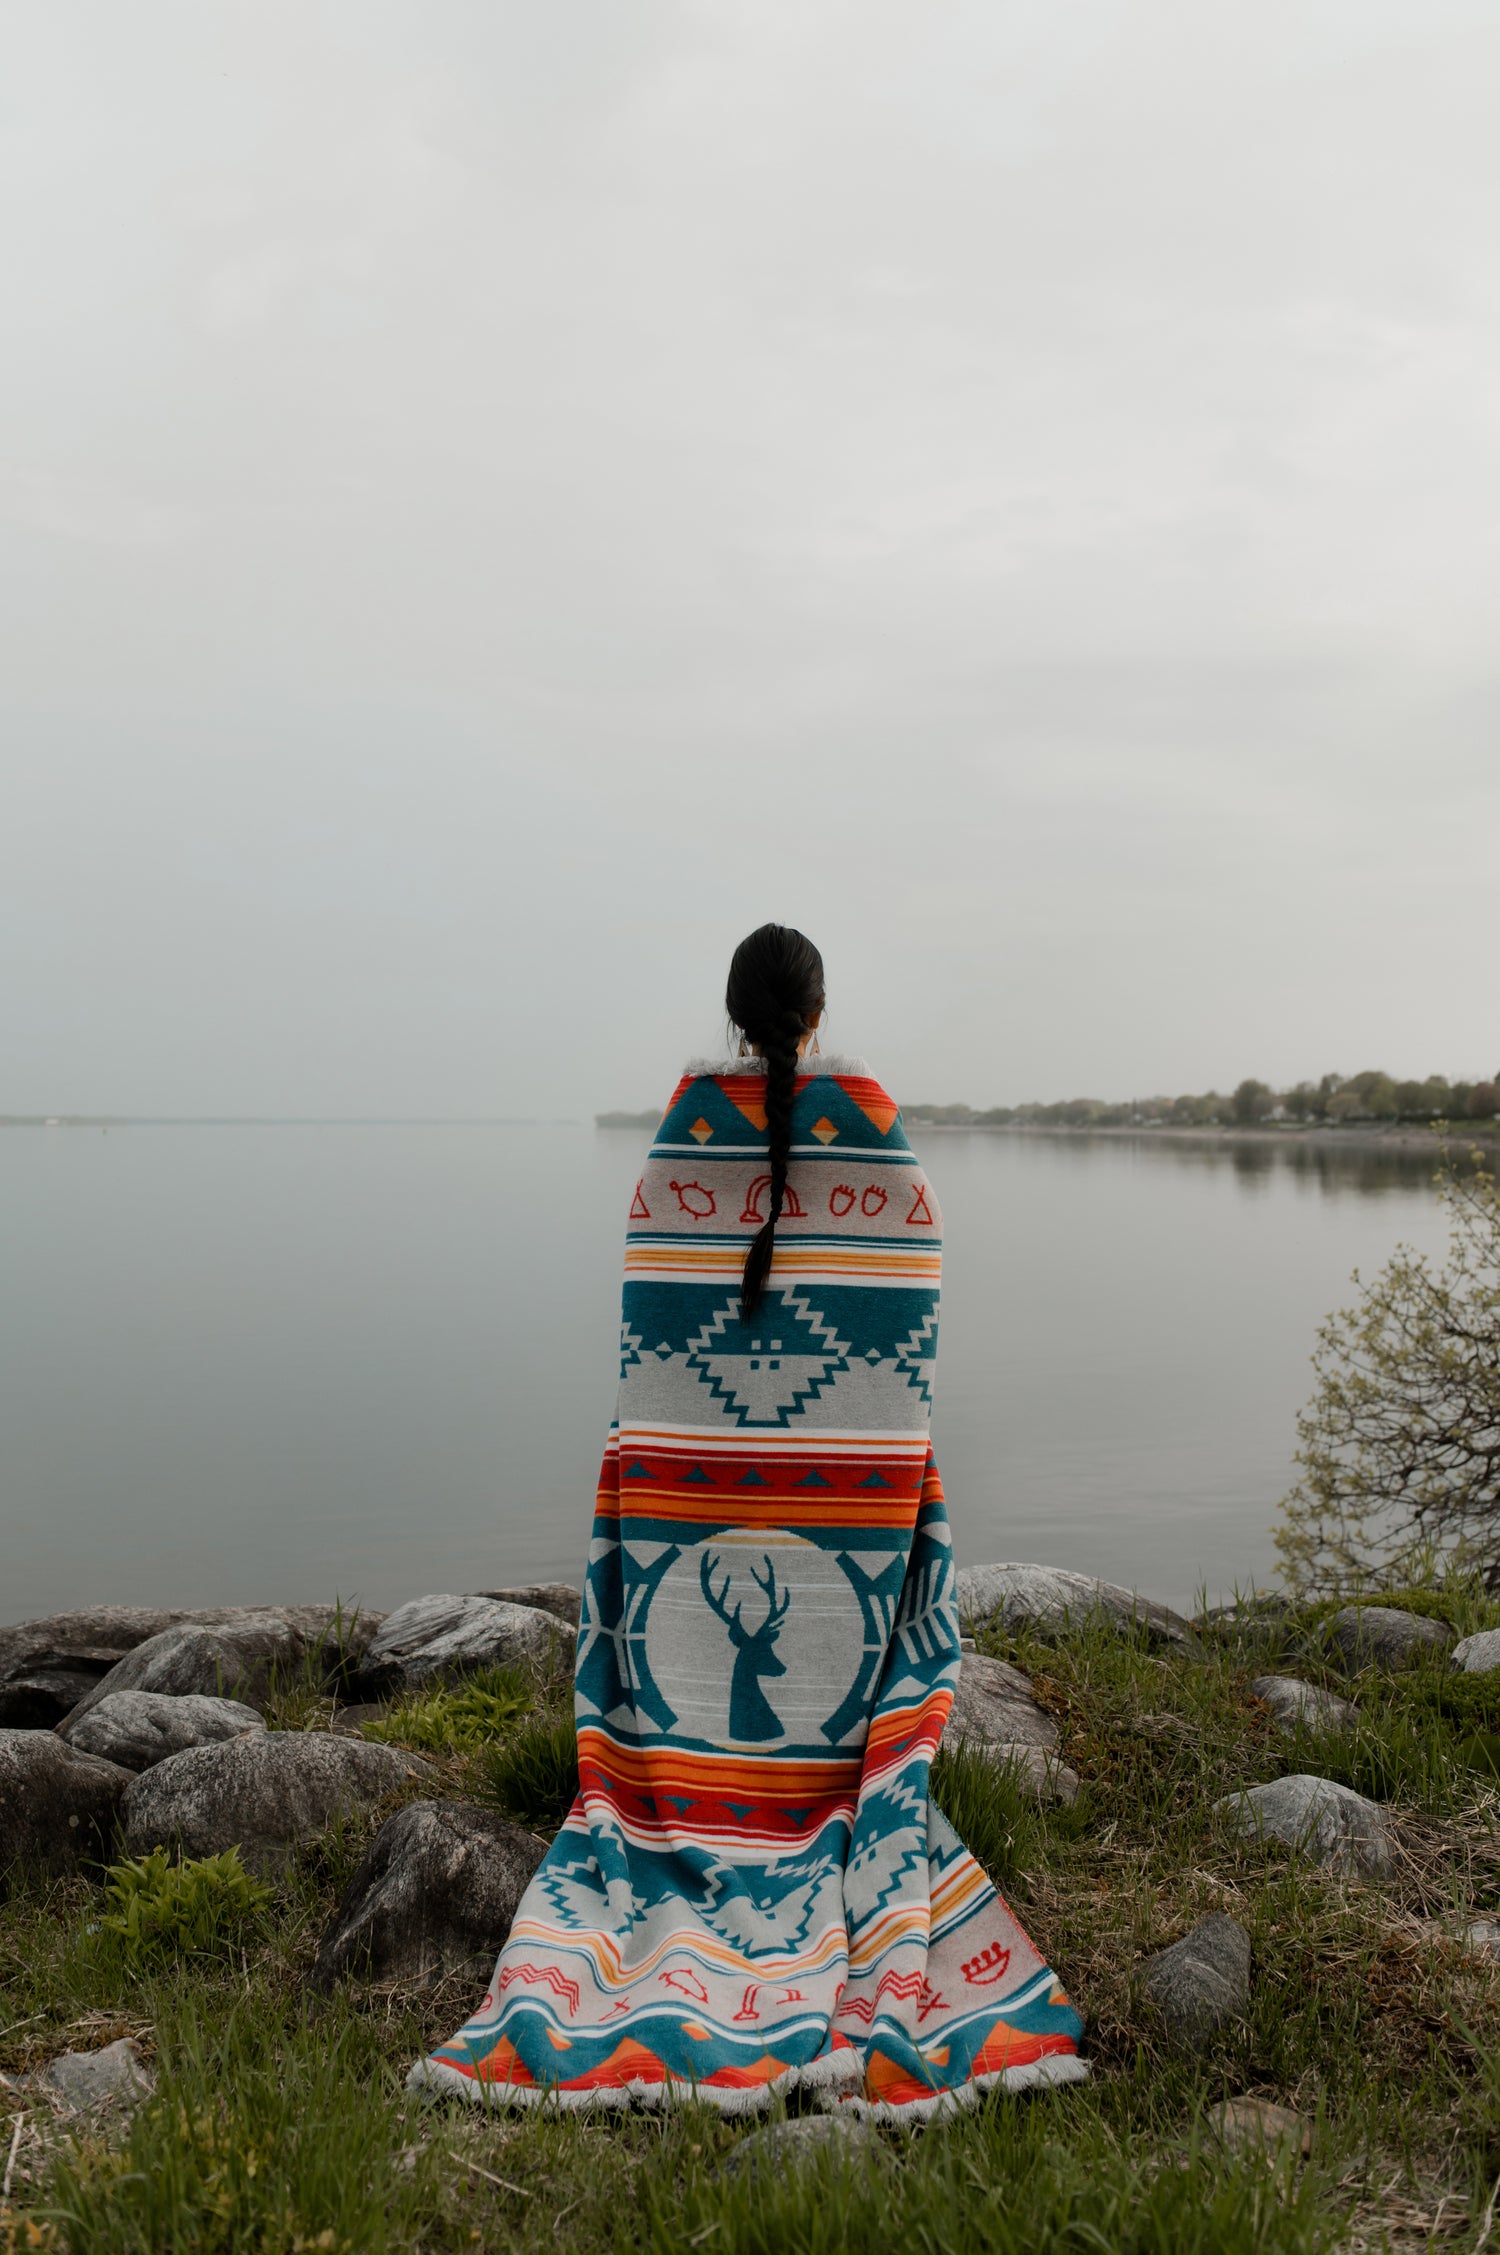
pixel 261 1363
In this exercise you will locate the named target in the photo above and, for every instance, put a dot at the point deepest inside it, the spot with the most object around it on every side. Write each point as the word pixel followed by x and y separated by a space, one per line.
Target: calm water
pixel 261 1363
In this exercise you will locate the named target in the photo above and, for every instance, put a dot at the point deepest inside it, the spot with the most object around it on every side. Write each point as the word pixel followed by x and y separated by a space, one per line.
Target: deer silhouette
pixel 751 1715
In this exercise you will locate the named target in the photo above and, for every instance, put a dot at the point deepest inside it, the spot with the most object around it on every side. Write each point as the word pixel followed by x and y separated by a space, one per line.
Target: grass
pixel 281 2123
pixel 466 1720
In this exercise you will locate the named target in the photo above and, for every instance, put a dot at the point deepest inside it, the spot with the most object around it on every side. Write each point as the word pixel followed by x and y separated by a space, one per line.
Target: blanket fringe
pixel 434 2079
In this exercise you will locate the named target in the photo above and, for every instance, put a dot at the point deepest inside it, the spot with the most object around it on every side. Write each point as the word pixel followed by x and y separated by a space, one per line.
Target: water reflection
pixel 1363 1168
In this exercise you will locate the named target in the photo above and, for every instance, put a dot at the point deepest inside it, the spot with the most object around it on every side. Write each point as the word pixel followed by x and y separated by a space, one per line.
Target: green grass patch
pixel 1035 2176
pixel 532 1776
pixel 466 1718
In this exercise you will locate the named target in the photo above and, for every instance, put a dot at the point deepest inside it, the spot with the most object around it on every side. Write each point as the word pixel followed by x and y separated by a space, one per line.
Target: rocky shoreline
pixel 1221 1830
pixel 124 1728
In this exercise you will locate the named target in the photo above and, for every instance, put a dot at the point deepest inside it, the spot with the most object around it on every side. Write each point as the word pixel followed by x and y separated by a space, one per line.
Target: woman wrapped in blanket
pixel 753 1892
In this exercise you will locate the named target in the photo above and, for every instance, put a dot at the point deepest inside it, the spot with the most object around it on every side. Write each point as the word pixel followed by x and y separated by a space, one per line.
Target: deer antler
pixel 720 1603
pixel 777 1604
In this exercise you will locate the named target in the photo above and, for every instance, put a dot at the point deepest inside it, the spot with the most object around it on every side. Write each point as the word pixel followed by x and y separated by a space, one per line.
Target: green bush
pixel 201 1906
pixel 463 1720
pixel 533 1776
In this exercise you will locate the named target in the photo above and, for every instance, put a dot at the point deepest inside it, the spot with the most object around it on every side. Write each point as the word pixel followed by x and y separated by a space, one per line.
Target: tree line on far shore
pixel 1365 1097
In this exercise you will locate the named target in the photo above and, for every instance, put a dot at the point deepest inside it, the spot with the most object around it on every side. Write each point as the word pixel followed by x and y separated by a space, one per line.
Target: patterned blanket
pixel 753 1891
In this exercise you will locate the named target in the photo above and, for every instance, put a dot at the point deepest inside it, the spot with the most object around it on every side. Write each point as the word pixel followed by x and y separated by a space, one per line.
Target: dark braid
pixel 775 988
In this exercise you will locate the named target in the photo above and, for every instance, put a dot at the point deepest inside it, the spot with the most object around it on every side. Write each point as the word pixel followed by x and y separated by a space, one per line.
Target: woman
pixel 753 1892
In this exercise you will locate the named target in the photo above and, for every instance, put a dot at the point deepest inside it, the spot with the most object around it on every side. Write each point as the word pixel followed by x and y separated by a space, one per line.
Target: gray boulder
pixel 138 1729
pixel 1047 1599
pixel 560 1598
pixel 1477 1655
pixel 1202 1982
pixel 1381 1636
pixel 792 2145
pixel 993 1709
pixel 1328 1823
pixel 114 2079
pixel 47 1666
pixel 264 1795
pixel 244 1659
pixel 993 1705
pixel 443 1639
pixel 1295 1704
pixel 435 1895
pixel 57 1808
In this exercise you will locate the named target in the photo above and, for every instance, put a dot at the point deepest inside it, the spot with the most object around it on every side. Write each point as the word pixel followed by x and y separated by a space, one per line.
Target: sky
pixel 497 500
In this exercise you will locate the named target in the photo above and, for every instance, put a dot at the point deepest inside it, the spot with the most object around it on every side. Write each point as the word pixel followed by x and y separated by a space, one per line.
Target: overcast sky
pixel 497 499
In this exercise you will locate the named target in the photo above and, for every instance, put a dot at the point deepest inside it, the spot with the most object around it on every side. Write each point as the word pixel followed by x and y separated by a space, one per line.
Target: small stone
pixel 1295 1704
pixel 993 1705
pixel 1477 1655
pixel 1382 1636
pixel 57 1808
pixel 264 1795
pixel 443 1639
pixel 137 1729
pixel 89 2082
pixel 1048 1599
pixel 435 1895
pixel 791 2145
pixel 1328 1823
pixel 1477 1937
pixel 1202 1982
pixel 561 1598
pixel 1245 2123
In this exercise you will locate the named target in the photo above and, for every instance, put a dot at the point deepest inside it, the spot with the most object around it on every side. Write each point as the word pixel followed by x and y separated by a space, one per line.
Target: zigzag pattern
pixel 753 1890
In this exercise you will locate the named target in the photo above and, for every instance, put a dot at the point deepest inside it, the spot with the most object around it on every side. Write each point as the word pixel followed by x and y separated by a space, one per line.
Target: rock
pixel 57 1808
pixel 1476 1937
pixel 993 1710
pixel 993 1704
pixel 1477 1655
pixel 243 1659
pixel 560 1598
pixel 1203 1981
pixel 137 1729
pixel 791 2145
pixel 89 2082
pixel 1326 1822
pixel 443 1639
pixel 1381 1636
pixel 1295 1704
pixel 350 1722
pixel 1263 1610
pixel 47 1666
pixel 435 1895
pixel 1245 2123
pixel 264 1795
pixel 1049 1598
pixel 1038 1772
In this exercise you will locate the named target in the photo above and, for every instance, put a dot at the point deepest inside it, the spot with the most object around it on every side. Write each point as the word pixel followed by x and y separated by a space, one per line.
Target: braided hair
pixel 775 987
